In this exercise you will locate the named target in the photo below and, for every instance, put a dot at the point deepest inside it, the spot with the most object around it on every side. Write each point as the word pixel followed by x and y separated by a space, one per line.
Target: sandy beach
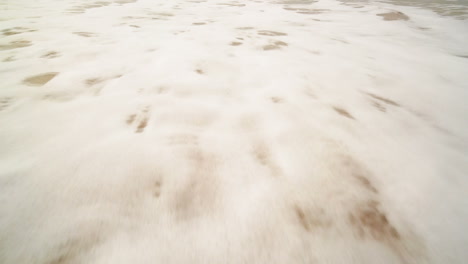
pixel 255 131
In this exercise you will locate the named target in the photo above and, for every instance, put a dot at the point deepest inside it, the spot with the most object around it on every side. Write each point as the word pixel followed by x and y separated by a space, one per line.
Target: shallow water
pixel 289 131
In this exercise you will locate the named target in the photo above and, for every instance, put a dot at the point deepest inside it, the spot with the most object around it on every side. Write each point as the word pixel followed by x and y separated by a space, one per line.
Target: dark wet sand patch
pixel 199 71
pixel 392 16
pixel 245 28
pixel 343 112
pixel 280 43
pixel 92 6
pixel 340 40
pixel 366 216
pixel 379 106
pixel 137 17
pixel 276 99
pixel 235 43
pixel 59 97
pixel 271 47
pixel 143 119
pixel 306 11
pixel 369 221
pixel 82 8
pixel 130 119
pixel 363 180
pixel 16 45
pixel 311 220
pixel 275 45
pixel 264 156
pixel 162 89
pixel 51 55
pixel 5 102
pixel 162 14
pixel 232 4
pixel 93 81
pixel 315 52
pixel 142 125
pixel 350 166
pixel 383 99
pixel 295 9
pixel 157 189
pixel 199 195
pixel 125 1
pixel 198 23
pixel 85 34
pixel 271 33
pixel 41 79
pixel 16 30
pixel 98 80
pixel 296 2
pixel 8 59
pixel 302 218
pixel 312 12
pixel 96 4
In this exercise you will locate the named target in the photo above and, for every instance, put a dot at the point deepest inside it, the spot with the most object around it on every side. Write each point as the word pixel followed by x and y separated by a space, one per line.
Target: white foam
pixel 161 141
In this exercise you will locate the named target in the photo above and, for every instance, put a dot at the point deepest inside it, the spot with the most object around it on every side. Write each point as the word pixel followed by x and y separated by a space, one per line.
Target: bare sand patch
pixel 16 30
pixel 271 47
pixel 5 102
pixel 383 99
pixel 271 33
pixel 16 45
pixel 8 59
pixel 395 15
pixel 40 79
pixel 232 4
pixel 343 112
pixel 245 28
pixel 85 34
pixel 306 11
pixel 275 45
pixel 51 55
